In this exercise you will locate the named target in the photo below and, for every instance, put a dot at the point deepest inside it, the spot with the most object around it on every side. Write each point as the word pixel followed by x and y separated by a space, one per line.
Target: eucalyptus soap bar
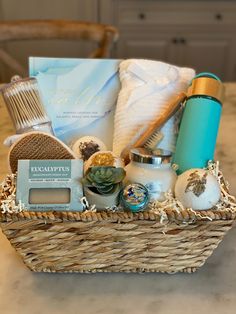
pixel 45 185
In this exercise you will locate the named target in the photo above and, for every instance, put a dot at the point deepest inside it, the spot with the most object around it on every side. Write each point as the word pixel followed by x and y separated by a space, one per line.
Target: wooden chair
pixel 103 35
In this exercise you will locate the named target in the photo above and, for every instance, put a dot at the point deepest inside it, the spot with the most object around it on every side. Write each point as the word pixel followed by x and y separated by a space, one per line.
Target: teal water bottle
pixel 200 122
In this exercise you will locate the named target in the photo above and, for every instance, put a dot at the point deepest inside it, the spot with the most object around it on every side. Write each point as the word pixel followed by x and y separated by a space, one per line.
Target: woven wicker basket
pixel 116 242
pixel 158 240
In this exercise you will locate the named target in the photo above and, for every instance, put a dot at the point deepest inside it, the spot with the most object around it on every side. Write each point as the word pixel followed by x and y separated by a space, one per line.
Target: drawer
pixel 151 12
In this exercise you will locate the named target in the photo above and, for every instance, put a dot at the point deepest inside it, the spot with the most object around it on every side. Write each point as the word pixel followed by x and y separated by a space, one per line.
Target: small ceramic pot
pixel 102 201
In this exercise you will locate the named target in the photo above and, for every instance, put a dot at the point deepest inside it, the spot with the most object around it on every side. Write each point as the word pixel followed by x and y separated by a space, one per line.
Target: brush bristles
pixel 154 140
pixel 24 104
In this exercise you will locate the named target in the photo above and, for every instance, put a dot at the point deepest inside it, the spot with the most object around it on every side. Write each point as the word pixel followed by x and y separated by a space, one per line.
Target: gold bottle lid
pixel 207 86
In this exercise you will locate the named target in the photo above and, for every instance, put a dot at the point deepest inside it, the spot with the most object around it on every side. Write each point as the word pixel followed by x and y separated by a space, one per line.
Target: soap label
pixel 44 185
pixel 41 169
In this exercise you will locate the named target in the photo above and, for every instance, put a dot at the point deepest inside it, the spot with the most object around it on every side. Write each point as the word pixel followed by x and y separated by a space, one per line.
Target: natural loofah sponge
pixel 38 145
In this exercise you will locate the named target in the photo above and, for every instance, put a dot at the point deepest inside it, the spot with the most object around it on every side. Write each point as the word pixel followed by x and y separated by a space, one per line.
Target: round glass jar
pixel 153 170
pixel 25 106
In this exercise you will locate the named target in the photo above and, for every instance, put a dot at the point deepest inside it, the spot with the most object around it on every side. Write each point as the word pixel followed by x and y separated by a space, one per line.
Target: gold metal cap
pixel 207 86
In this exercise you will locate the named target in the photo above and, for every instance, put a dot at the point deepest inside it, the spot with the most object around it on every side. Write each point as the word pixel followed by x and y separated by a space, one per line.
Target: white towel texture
pixel 147 88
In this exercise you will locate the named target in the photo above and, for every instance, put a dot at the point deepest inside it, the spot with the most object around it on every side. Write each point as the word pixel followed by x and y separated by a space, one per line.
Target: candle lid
pixel 153 157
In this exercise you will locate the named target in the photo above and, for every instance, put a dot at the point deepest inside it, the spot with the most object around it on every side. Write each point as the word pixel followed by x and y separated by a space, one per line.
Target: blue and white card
pixel 79 95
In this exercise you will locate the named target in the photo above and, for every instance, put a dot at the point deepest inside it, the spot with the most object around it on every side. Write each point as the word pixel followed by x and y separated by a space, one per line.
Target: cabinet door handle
pixel 219 17
pixel 142 16
pixel 180 40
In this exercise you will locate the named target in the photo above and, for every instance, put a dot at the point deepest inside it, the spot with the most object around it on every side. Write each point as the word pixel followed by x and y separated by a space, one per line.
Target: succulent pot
pixel 102 200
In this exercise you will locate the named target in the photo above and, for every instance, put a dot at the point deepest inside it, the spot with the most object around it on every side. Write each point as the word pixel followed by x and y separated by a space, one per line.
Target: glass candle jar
pixel 153 170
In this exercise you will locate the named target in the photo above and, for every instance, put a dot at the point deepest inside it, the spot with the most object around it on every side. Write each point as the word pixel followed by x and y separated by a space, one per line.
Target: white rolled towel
pixel 147 88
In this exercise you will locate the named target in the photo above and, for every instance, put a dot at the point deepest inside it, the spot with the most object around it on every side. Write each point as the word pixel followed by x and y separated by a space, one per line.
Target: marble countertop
pixel 210 290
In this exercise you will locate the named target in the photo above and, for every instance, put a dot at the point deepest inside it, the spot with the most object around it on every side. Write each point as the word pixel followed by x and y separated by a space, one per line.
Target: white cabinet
pixel 199 34
pixel 205 53
pixel 132 47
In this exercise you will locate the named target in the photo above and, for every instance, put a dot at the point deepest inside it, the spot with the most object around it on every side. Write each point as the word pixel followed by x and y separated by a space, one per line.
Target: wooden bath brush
pixel 38 145
pixel 150 130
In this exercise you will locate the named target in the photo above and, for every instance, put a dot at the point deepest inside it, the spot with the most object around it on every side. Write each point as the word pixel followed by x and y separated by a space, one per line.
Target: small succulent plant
pixel 104 179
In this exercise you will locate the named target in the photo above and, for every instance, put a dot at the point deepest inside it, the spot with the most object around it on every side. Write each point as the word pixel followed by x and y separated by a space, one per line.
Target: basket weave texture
pixel 116 241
